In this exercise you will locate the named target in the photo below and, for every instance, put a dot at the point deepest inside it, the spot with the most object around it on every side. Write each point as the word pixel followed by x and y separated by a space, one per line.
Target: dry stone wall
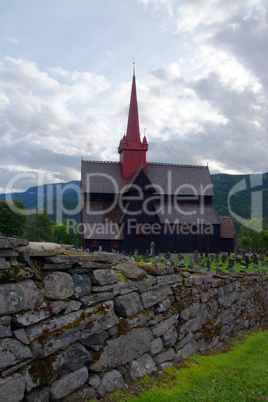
pixel 77 327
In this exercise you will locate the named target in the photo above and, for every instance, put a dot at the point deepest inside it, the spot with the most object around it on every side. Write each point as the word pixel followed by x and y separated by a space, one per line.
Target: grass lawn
pixel 238 372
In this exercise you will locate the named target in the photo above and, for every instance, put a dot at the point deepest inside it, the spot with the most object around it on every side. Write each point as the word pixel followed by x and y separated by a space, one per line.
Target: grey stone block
pixel 141 367
pixel 127 305
pixel 152 297
pixel 111 381
pixel 12 352
pixel 12 388
pixel 68 383
pixel 82 285
pixel 16 297
pixel 123 350
pixel 58 285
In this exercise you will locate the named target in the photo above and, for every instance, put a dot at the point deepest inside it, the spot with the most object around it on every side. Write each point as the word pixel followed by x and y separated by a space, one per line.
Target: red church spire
pixel 133 129
pixel 132 151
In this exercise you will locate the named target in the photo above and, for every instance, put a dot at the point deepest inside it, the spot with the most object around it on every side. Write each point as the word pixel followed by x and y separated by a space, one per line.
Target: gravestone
pixel 231 262
pixel 208 264
pixel 136 252
pixel 217 258
pixel 172 260
pixel 231 270
pixel 156 259
pixel 202 262
pixel 263 271
pixel 196 256
pixel 224 258
pixel 152 249
pixel 167 255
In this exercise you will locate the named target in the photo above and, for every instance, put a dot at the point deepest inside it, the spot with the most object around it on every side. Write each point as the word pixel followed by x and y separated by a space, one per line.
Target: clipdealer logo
pixel 168 203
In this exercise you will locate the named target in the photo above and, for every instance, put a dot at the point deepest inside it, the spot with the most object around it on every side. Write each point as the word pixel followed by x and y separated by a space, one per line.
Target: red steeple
pixel 132 151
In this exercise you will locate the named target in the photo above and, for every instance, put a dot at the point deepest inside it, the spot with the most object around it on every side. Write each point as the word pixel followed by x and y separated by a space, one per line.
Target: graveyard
pixel 217 263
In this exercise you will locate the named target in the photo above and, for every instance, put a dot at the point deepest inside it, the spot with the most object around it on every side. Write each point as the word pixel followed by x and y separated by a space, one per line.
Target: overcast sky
pixel 66 71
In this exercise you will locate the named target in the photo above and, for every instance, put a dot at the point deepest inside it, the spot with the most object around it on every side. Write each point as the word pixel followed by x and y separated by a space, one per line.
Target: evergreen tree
pixel 39 227
pixel 12 218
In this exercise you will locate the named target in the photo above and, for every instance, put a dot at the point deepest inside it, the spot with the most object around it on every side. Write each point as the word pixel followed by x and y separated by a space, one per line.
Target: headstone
pixel 152 249
pixel 167 255
pixel 263 271
pixel 136 252
pixel 231 262
pixel 217 258
pixel 231 270
pixel 208 264
pixel 156 259
pixel 172 260
pixel 196 256
pixel 100 248
pixel 191 265
pixel 202 262
pixel 224 258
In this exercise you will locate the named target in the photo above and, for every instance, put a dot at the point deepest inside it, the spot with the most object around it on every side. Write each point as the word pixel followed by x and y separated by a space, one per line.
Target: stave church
pixel 133 204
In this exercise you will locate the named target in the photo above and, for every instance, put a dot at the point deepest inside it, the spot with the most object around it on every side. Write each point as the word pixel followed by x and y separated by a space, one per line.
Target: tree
pixel 246 243
pixel 12 218
pixel 59 233
pixel 263 239
pixel 250 236
pixel 39 227
pixel 66 233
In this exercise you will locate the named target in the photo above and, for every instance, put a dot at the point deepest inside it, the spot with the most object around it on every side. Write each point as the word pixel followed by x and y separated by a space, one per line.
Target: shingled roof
pixel 189 214
pixel 227 227
pixel 105 177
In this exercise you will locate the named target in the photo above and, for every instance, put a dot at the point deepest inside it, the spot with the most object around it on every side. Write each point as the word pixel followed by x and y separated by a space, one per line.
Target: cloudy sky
pixel 66 71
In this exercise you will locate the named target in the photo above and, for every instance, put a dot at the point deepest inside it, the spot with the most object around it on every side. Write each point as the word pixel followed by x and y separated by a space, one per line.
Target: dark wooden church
pixel 133 204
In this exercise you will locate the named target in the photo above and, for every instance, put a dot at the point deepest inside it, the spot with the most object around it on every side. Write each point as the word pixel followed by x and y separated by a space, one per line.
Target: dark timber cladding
pixel 129 204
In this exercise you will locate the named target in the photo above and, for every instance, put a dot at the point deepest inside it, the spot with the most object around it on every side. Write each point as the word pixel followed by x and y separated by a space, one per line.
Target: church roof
pixel 189 214
pixel 227 227
pixel 105 177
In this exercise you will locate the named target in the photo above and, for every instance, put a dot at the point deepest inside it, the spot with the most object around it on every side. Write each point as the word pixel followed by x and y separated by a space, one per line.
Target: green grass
pixel 224 268
pixel 241 374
